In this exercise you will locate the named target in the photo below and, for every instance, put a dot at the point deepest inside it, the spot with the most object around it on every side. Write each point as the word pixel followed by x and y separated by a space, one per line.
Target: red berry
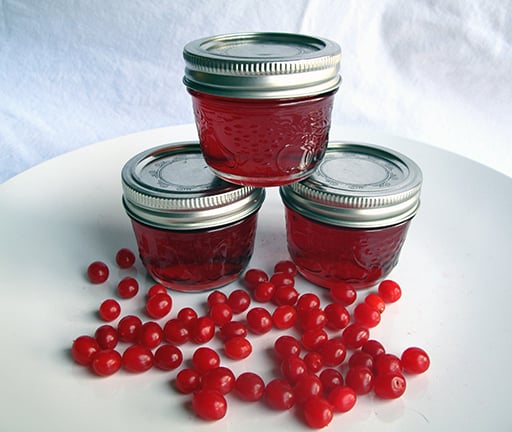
pixel 220 379
pixel 373 347
pixel 376 301
pixel 279 395
pixel 280 279
pixel 313 339
pixel 204 359
pixel 293 368
pixel 361 358
pixel 158 305
pixel 366 315
pixel 232 329
pixel 307 302
pixel 314 361
pixel 109 310
pixel 287 267
pixel 253 277
pixel 239 301
pixel 355 335
pixel 337 316
pixel 186 315
pixel 187 380
pixel 202 330
pixel 390 385
pixel 216 297
pixel 128 287
pixel 259 320
pixel 97 272
pixel 176 331
pixel 285 295
pixel 390 291
pixel 220 313
pixel 106 362
pixel 125 258
pixel 83 349
pixel 286 346
pixel 249 387
pixel 264 291
pixel 333 352
pixel 415 360
pixel 342 399
pixel 107 336
pixel 150 334
pixel 317 412
pixel 237 348
pixel 307 385
pixel 360 379
pixel 330 378
pixel 156 289
pixel 137 358
pixel 128 328
pixel 209 405
pixel 313 320
pixel 284 317
pixel 385 363
pixel 168 357
pixel 343 293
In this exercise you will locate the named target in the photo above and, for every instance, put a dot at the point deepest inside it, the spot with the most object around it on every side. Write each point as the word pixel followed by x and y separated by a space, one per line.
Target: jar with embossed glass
pixel 347 222
pixel 194 231
pixel 262 103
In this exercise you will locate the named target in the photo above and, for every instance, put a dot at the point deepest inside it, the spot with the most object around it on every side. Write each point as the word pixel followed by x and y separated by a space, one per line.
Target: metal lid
pixel 171 187
pixel 358 185
pixel 262 65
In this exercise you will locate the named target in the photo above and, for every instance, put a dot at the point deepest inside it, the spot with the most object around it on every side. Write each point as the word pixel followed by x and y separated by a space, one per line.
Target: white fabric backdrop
pixel 74 72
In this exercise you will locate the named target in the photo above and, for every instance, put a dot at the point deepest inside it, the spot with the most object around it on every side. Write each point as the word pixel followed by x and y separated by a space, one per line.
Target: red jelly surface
pixel 196 260
pixel 327 254
pixel 263 142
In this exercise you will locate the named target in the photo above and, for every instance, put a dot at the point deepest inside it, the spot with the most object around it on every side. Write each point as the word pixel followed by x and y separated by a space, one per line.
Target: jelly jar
pixel 262 103
pixel 349 220
pixel 194 231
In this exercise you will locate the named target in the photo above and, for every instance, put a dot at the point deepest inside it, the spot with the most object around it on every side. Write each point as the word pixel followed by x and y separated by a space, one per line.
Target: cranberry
pixel 284 317
pixel 158 305
pixel 389 385
pixel 106 362
pixel 187 380
pixel 128 328
pixel 239 301
pixel 286 346
pixel 331 378
pixel 385 363
pixel 376 301
pixel 253 277
pixel 314 339
pixel 333 352
pixel 285 295
pixel 137 358
pixel 98 272
pixel 337 316
pixel 220 379
pixel 264 292
pixel 125 258
pixel 107 336
pixel 176 331
pixel 415 360
pixel 390 291
pixel 360 379
pixel 237 348
pixel 317 412
pixel 150 334
pixel 259 320
pixel 168 357
pixel 216 297
pixel 366 315
pixel 307 302
pixel 342 399
pixel 306 386
pixel 286 266
pixel 204 359
pixel 373 347
pixel 249 387
pixel 127 287
pixel 209 404
pixel 343 293
pixel 109 310
pixel 314 361
pixel 220 313
pixel 232 329
pixel 83 349
pixel 355 335
pixel 279 395
pixel 202 330
pixel 293 368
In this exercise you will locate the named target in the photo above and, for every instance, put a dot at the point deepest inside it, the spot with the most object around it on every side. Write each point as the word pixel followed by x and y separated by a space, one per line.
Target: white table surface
pixel 66 212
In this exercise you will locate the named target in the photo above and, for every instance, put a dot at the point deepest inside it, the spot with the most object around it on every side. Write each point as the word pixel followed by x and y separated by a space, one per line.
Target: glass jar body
pixel 327 254
pixel 196 260
pixel 263 142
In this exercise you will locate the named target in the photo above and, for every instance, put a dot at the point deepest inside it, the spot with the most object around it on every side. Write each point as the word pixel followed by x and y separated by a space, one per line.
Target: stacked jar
pixel 262 105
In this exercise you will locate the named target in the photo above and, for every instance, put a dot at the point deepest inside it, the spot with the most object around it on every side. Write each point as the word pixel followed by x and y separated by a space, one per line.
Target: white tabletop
pixel 65 213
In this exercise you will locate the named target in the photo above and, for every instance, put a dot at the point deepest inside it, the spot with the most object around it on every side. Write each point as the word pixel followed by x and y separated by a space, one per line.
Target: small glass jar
pixel 349 220
pixel 194 231
pixel 262 103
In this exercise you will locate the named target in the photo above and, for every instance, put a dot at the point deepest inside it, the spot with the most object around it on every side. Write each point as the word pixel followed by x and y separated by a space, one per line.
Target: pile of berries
pixel 326 358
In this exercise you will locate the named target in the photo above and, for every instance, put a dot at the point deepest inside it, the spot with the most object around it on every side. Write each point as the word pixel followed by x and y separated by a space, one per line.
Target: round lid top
pixel 262 65
pixel 172 187
pixel 358 185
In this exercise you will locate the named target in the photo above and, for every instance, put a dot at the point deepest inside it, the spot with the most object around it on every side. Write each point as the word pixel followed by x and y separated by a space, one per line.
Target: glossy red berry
pixel 385 363
pixel 307 385
pixel 285 266
pixel 107 336
pixel 109 310
pixel 239 301
pixel 209 405
pixel 186 315
pixel 373 347
pixel 343 293
pixel 156 289
pixel 187 380
pixel 286 346
pixel 279 395
pixel 293 368
pixel 237 348
pixel 83 349
pixel 330 379
pixel 232 329
pixel 264 292
pixel 285 295
pixel 317 412
pixel 216 297
pixel 390 385
pixel 342 399
pixel 313 339
pixel 307 302
pixel 125 258
pixel 150 334
pixel 376 301
pixel 97 272
pixel 168 357
pixel 415 360
pixel 361 358
pixel 314 361
pixel 390 291
pixel 158 305
pixel 337 316
pixel 128 328
pixel 202 330
pixel 249 387
pixel 253 277
pixel 127 287
pixel 220 313
pixel 204 359
pixel 355 335
pixel 280 279
pixel 137 358
pixel 284 317
pixel 259 320
pixel 176 331
pixel 360 379
pixel 333 352
pixel 367 315
pixel 106 362
pixel 220 379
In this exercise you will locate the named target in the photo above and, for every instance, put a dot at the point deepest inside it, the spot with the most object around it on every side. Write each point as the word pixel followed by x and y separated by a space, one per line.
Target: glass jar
pixel 194 231
pixel 349 220
pixel 262 103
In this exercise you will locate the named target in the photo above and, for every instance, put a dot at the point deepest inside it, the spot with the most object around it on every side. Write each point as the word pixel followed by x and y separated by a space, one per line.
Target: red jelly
pixel 349 220
pixel 262 103
pixel 194 231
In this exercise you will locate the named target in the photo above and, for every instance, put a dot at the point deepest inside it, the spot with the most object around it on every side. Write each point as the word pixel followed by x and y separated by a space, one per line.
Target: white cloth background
pixel 74 72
